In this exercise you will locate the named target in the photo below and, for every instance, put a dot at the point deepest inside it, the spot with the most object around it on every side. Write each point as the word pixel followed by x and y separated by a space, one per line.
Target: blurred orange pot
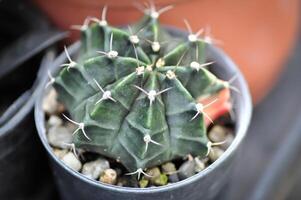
pixel 257 34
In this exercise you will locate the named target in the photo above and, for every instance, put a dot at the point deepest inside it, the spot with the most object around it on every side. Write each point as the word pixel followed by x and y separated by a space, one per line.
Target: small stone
pixel 217 133
pixel 143 183
pixel 199 165
pixel 155 177
pixel 187 169
pixel 95 168
pixel 71 161
pixel 169 168
pixel 215 153
pixel 153 173
pixel 59 136
pixel 109 176
pixel 205 160
pixel 54 121
pixel 173 178
pixel 60 152
pixel 50 104
pixel 161 180
pixel 228 141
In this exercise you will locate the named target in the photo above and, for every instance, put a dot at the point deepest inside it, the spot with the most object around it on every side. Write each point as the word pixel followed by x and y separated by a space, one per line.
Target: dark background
pixel 273 121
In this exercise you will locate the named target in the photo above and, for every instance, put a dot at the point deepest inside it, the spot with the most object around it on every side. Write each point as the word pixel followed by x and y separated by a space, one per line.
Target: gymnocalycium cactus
pixel 133 92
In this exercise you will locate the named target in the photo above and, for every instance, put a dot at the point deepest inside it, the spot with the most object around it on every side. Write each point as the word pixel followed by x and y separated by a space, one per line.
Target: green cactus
pixel 133 93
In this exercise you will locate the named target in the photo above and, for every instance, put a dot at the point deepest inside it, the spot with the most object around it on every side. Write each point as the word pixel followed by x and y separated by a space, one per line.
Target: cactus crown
pixel 133 93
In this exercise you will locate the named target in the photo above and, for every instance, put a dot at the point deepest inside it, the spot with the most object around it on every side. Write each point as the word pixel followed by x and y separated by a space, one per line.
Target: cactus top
pixel 133 93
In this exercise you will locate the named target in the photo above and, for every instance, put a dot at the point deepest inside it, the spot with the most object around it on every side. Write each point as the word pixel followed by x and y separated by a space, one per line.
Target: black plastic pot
pixel 24 37
pixel 204 185
pixel 24 173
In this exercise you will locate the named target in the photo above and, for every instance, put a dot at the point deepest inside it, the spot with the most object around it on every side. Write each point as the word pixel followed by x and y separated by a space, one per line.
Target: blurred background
pixel 261 36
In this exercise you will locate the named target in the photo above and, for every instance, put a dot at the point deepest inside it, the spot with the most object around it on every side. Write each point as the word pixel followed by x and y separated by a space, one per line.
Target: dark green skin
pixel 117 129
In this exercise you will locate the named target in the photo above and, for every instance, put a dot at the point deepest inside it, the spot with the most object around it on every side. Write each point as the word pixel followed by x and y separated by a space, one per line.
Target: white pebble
pixel 71 161
pixel 217 134
pixel 199 165
pixel 109 176
pixel 95 168
pixel 187 169
pixel 50 104
pixel 59 136
pixel 215 153
pixel 229 139
pixel 60 153
pixel 54 121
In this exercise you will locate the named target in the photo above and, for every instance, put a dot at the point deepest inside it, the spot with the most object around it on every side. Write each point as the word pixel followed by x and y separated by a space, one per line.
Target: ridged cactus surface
pixel 133 93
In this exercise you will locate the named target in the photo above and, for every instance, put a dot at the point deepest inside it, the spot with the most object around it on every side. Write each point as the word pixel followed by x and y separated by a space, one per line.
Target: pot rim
pixel 26 101
pixel 241 128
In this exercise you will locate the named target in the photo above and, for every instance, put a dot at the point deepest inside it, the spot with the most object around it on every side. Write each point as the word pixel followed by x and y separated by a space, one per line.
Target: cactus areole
pixel 132 93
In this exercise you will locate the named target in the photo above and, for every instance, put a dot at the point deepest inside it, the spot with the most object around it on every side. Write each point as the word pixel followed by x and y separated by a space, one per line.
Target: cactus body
pixel 138 105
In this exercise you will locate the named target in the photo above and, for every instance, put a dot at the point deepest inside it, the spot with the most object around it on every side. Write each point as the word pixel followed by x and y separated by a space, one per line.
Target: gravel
pixel 218 133
pixel 95 168
pixel 109 176
pixel 215 153
pixel 187 169
pixel 71 161
pixel 59 136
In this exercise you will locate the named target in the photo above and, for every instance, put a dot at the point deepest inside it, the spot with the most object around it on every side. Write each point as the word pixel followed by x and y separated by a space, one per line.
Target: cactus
pixel 133 92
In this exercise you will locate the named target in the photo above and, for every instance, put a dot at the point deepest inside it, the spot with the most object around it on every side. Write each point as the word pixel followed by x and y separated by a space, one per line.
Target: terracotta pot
pixel 257 34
